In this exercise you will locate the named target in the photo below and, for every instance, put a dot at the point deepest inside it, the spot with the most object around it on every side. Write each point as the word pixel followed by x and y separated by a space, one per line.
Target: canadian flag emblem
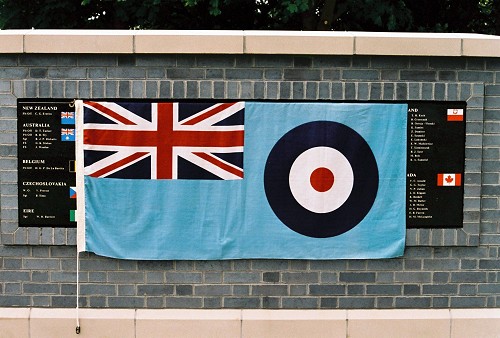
pixel 451 180
pixel 455 115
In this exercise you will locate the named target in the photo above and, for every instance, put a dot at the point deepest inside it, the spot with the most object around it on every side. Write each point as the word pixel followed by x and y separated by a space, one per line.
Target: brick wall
pixel 440 268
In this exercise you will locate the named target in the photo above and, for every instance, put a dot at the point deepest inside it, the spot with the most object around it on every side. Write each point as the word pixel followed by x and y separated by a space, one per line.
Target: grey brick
pixel 418 75
pixel 241 277
pixel 298 290
pixel 356 303
pixel 328 303
pixel 125 276
pixel 67 73
pixel 331 75
pixel 212 290
pixel 413 302
pixel 183 290
pixel 362 74
pixel 212 302
pixel 40 288
pixel 300 277
pixel 269 290
pixel 244 74
pixel 97 73
pixel 383 290
pixel 96 60
pixel 163 60
pixel 475 76
pixel 97 289
pixel 299 303
pixel 183 277
pixel 126 302
pixel 241 290
pixel 275 61
pixel 302 75
pixel 357 277
pixel 285 90
pixel 241 302
pixel 155 290
pixel 468 302
pixel 321 290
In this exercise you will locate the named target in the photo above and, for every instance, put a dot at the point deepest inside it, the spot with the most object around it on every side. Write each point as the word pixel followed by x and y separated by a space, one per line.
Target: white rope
pixel 77 292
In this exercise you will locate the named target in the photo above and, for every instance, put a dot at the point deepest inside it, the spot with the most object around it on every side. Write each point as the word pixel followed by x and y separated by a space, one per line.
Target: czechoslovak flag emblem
pixel 455 115
pixel 450 180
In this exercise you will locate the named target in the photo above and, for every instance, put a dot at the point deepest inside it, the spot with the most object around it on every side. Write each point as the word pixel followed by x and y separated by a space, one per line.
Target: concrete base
pixel 95 323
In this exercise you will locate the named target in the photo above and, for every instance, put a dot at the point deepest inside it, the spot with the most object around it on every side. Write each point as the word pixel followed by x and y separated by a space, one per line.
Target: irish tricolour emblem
pixel 321 179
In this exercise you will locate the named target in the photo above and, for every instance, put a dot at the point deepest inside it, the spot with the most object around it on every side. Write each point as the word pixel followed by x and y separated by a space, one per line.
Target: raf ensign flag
pixel 229 180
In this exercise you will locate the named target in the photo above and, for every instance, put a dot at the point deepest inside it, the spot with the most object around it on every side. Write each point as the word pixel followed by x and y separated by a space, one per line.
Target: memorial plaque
pixel 46 163
pixel 435 166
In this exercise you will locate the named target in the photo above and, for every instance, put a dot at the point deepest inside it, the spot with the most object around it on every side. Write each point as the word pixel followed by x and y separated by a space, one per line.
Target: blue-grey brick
pixel 413 302
pixel 212 277
pixel 41 263
pixel 273 74
pixel 361 74
pixel 418 75
pixel 447 75
pixel 111 89
pixel 302 74
pixel 212 61
pixel 183 277
pixel 331 75
pixel 300 277
pixel 126 276
pixel 241 290
pixel 332 61
pixel 138 89
pixel 241 277
pixel 350 91
pixel 274 61
pixel 155 277
pixel 97 89
pixel 165 89
pixel 298 290
pixel 214 74
pixel 67 73
pixel 300 303
pixel 126 290
pixel 356 303
pixel 468 277
pixel 468 302
pixel 184 290
pixel 58 89
pixel 44 88
pixel 412 277
pixel 124 89
pixel 13 73
pixel 241 302
pixel 440 289
pixel 246 90
pixel 96 60
pixel 98 264
pixel 388 91
pixel 40 288
pixel 154 290
pixel 383 289
pixel 126 60
pixel 285 90
pixel 475 76
pixel 324 91
pixel 97 73
pixel 126 73
pixel 244 74
pixel 356 277
pixel 206 89
pixel 38 73
pixel 97 289
pixel 356 290
pixel 213 265
pixel 242 265
pixel 126 302
pixel 269 290
pixel 271 277
pixel 15 300
pixel 212 302
pixel 319 290
pixel 152 60
pixel 212 290
pixel 298 90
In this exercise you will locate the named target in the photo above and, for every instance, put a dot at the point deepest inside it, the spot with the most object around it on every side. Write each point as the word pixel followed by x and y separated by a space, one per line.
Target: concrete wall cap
pixel 248 42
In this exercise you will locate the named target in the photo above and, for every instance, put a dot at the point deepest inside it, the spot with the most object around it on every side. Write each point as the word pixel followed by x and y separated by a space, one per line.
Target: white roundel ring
pixel 336 187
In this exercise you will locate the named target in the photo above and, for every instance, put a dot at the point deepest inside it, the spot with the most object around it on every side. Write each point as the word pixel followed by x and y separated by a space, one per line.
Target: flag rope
pixel 77 292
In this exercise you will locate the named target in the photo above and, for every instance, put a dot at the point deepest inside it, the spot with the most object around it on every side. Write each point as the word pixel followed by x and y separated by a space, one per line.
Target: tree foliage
pixel 478 16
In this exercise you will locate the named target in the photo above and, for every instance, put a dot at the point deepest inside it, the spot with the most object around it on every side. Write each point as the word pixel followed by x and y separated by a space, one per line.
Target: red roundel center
pixel 322 179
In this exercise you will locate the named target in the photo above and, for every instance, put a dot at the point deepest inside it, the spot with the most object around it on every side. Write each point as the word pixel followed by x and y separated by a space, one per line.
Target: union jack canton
pixel 164 140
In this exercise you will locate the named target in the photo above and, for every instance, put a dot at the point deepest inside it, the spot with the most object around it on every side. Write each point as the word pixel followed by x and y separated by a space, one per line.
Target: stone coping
pixel 138 323
pixel 248 42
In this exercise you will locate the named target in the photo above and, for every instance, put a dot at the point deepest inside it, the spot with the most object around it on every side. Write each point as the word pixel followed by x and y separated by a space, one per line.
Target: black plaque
pixel 435 166
pixel 46 163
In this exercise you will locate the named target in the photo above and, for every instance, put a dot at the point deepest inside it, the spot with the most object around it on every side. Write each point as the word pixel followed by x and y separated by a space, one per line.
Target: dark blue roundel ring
pixel 354 156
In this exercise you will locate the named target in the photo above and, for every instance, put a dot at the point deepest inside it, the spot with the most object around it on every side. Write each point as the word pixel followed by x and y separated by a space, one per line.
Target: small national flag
pixel 72 192
pixel 450 180
pixel 67 117
pixel 455 114
pixel 72 215
pixel 68 134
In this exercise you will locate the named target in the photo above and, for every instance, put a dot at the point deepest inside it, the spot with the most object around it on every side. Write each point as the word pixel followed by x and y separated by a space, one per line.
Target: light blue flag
pixel 320 181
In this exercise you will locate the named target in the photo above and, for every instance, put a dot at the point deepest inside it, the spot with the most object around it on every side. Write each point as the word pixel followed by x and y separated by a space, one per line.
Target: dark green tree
pixel 479 16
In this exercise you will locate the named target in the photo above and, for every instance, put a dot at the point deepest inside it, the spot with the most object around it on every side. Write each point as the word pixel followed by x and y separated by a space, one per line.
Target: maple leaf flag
pixel 450 180
pixel 455 114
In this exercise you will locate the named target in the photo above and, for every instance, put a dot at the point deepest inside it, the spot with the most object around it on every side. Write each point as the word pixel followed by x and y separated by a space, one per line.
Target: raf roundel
pixel 321 179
